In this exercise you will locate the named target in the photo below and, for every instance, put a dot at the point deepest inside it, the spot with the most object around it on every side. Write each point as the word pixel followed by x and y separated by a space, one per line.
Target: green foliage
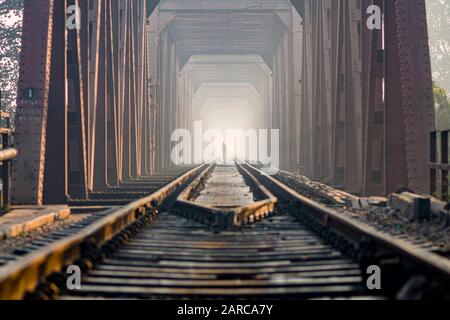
pixel 438 12
pixel 442 105
pixel 10 45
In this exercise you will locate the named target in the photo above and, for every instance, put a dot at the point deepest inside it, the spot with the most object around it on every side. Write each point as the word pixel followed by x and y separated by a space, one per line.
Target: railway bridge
pixel 98 103
pixel 121 104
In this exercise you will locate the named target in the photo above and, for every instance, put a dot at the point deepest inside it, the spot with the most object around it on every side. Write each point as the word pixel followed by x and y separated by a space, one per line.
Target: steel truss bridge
pixel 97 104
pixel 104 84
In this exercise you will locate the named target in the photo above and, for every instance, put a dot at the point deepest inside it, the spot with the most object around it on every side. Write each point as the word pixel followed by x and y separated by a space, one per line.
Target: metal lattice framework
pixel 87 109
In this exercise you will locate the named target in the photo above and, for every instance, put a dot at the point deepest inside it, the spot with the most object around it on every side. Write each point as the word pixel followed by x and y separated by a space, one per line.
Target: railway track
pixel 175 257
pixel 154 248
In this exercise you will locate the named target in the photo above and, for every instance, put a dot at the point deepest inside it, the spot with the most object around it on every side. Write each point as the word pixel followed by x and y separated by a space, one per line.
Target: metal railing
pixel 439 164
pixel 7 154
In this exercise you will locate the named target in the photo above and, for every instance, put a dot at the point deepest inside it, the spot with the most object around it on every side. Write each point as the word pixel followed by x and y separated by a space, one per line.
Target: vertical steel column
pixel 348 126
pixel 395 160
pixel 145 135
pixel 316 86
pixel 127 94
pixel 6 171
pixel 133 123
pixel 353 98
pixel 85 53
pixel 444 162
pixel 93 61
pixel 32 102
pixel 142 78
pixel 122 64
pixel 326 112
pixel 297 56
pixel 153 87
pixel 100 106
pixel 433 161
pixel 76 120
pixel 321 98
pixel 306 129
pixel 112 34
pixel 373 106
pixel 338 91
pixel 410 112
pixel 55 173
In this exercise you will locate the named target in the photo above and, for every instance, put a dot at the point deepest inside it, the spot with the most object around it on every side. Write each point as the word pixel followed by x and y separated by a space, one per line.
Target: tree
pixel 442 106
pixel 438 12
pixel 10 46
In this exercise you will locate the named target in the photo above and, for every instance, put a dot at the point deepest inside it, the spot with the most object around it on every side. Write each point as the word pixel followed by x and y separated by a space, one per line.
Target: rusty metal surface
pixel 381 114
pixel 373 107
pixel 409 103
pixel 112 33
pixel 331 115
pixel 32 102
pixel 417 96
pixel 55 163
pixel 100 105
pixel 346 134
pixel 77 101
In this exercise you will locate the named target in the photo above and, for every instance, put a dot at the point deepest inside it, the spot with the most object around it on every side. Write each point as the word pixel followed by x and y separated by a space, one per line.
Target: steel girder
pixel 77 99
pixel 373 107
pixel 119 89
pixel 32 102
pixel 83 101
pixel 410 114
pixel 55 163
pixel 348 113
pixel 364 117
pixel 381 113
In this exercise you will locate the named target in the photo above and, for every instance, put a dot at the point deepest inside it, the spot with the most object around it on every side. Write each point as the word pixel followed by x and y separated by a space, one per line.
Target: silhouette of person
pixel 224 152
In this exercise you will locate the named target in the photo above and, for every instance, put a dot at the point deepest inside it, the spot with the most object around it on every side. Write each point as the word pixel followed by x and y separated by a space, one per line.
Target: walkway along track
pixel 153 249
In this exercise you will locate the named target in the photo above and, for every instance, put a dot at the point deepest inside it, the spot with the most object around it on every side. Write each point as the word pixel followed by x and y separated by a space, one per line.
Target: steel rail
pixel 179 258
pixel 22 276
pixel 357 232
pixel 16 279
pixel 335 192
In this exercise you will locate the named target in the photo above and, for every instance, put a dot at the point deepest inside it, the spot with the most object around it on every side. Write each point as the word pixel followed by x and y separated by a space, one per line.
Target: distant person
pixel 224 152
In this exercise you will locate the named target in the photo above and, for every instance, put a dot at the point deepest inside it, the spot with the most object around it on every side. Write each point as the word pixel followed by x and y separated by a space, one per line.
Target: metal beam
pixel 410 114
pixel 55 173
pixel 32 102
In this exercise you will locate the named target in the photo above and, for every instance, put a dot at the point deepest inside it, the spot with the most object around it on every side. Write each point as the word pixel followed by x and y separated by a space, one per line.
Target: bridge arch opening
pixel 227 64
